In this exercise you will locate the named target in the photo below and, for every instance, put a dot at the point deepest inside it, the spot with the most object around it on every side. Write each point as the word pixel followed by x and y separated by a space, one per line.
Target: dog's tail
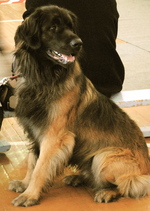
pixel 134 186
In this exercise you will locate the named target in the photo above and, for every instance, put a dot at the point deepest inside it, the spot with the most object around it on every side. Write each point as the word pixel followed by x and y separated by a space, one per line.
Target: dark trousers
pixel 98 24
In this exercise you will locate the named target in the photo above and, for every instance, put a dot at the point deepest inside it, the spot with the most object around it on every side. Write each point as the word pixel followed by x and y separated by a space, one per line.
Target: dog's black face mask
pixel 52 30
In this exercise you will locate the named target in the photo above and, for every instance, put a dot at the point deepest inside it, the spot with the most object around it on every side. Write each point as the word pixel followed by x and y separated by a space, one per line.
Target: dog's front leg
pixel 54 155
pixel 20 186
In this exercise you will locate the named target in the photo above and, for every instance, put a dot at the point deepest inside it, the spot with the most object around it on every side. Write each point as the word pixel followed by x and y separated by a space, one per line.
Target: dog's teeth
pixel 55 52
pixel 58 54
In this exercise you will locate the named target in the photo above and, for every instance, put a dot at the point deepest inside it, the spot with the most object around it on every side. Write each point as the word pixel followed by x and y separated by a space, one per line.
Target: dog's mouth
pixel 62 58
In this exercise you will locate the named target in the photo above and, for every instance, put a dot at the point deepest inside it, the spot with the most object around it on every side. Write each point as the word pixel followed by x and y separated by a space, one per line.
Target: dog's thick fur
pixel 68 120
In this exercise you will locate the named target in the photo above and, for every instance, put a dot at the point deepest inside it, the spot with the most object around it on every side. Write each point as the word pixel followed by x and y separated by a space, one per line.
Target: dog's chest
pixel 47 106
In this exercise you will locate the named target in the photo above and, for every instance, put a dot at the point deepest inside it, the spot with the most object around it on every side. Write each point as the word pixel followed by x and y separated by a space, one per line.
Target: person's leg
pixel 98 24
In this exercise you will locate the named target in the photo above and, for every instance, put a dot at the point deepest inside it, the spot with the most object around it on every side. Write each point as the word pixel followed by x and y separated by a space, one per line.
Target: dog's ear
pixel 29 31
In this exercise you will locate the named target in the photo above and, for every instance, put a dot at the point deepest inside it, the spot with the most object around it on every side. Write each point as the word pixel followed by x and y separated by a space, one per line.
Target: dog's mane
pixel 33 65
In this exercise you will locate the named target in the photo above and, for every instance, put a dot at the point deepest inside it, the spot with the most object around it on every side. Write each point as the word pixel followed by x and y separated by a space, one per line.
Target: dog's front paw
pixel 106 195
pixel 24 201
pixel 73 180
pixel 17 186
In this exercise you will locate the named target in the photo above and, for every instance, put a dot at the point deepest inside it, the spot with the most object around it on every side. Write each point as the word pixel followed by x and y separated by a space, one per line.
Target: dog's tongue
pixel 69 58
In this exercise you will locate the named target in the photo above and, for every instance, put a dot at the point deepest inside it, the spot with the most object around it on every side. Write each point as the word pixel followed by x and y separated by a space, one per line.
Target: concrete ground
pixel 134 31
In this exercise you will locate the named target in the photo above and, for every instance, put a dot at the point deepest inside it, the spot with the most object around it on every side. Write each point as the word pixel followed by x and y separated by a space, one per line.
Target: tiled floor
pixel 135 53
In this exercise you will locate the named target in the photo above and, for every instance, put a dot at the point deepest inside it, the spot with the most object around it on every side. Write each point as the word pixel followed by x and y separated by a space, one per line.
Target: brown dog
pixel 68 121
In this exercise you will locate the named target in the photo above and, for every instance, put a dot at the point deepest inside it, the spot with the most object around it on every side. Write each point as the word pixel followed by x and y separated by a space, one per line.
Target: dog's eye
pixel 53 28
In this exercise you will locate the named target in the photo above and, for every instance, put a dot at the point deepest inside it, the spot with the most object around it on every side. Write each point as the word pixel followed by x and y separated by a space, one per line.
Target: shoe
pixel 4 146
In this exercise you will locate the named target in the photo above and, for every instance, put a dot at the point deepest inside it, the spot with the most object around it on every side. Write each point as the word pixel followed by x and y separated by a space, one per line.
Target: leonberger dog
pixel 68 121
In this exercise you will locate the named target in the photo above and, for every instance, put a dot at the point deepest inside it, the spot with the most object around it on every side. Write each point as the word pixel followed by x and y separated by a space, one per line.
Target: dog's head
pixel 52 29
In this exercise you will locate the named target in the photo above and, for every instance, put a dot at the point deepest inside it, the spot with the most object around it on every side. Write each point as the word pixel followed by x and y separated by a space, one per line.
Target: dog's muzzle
pixel 75 45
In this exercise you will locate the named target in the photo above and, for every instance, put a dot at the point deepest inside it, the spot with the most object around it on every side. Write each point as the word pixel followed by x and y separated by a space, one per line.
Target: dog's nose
pixel 76 43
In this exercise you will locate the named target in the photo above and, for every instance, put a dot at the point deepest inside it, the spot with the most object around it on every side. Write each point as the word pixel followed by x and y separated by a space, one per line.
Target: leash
pixel 5 80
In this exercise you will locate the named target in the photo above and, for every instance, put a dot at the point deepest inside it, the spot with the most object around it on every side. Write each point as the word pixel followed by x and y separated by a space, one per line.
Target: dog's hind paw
pixel 106 195
pixel 24 201
pixel 17 186
pixel 73 180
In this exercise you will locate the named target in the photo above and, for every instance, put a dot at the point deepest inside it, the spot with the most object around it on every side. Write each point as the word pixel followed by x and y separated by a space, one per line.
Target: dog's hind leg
pixel 55 152
pixel 20 186
pixel 116 173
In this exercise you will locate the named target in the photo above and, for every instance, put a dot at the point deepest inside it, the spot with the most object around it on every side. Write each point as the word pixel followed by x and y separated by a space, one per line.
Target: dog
pixel 68 121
